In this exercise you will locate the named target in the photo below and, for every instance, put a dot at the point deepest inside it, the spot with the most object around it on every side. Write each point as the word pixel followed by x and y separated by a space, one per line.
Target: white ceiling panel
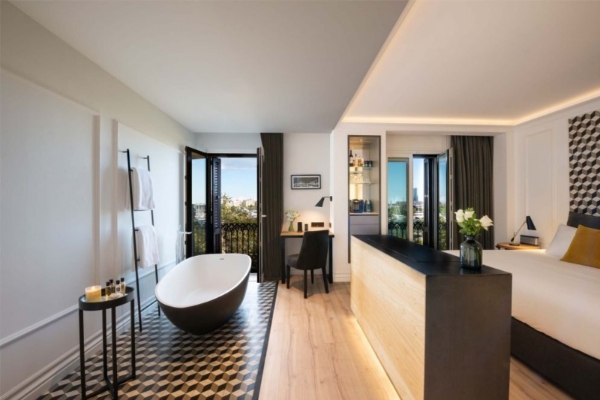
pixel 496 62
pixel 231 66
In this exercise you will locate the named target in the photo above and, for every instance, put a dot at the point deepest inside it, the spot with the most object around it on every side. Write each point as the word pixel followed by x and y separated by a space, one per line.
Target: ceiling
pixel 297 66
pixel 493 62
pixel 222 66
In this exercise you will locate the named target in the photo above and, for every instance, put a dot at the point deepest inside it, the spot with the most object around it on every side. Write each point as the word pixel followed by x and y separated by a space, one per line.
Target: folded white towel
pixel 147 246
pixel 143 195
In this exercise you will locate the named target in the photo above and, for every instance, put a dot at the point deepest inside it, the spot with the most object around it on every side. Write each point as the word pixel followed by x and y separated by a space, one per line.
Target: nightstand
pixel 522 246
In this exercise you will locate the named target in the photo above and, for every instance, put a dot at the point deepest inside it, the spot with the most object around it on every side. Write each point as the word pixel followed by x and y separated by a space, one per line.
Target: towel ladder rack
pixel 135 255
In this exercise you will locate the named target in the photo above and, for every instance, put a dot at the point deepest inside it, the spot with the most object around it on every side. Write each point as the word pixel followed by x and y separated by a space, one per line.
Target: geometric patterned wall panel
pixel 584 163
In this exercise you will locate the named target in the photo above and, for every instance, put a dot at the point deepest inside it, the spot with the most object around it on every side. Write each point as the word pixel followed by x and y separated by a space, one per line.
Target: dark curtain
pixel 272 199
pixel 474 182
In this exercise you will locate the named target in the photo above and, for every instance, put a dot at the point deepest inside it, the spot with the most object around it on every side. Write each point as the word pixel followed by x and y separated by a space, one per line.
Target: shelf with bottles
pixel 359 170
pixel 356 161
pixel 359 179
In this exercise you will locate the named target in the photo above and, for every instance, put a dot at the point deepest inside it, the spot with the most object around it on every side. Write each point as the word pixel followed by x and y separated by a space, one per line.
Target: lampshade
pixel 320 203
pixel 530 224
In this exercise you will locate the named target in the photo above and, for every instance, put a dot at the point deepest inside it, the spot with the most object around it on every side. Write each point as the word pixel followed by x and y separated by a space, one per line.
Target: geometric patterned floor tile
pixel 172 364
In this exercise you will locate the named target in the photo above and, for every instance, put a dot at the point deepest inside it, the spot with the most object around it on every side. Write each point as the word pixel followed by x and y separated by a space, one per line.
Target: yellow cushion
pixel 585 247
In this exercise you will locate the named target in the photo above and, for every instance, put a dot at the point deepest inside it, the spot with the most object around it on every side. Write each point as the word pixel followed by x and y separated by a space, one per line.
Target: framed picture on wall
pixel 304 182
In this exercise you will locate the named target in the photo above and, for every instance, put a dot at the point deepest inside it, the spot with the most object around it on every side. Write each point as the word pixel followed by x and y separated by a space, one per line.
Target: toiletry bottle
pixel 118 287
pixel 123 286
pixel 108 288
pixel 103 293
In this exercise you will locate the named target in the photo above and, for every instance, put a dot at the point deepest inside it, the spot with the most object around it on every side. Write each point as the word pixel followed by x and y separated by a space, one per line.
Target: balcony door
pixel 430 200
pixel 202 203
pixel 222 204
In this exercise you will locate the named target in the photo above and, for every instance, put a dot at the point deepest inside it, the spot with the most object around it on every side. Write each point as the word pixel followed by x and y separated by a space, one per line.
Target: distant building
pixel 415 195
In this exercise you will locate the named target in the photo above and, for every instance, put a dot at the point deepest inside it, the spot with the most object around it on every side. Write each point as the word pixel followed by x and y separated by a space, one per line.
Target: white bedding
pixel 557 298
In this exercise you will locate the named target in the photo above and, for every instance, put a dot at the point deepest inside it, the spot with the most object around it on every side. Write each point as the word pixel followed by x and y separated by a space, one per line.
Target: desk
pixel 288 235
pixel 84 305
pixel 522 246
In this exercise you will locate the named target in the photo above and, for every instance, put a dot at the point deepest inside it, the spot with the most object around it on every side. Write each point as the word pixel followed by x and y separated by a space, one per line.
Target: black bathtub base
pixel 206 317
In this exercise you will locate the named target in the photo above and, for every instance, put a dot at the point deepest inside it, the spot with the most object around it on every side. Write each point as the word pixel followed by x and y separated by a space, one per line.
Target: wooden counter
pixel 440 332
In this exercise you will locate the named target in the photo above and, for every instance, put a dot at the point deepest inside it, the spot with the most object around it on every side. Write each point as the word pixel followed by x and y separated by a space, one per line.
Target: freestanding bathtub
pixel 201 293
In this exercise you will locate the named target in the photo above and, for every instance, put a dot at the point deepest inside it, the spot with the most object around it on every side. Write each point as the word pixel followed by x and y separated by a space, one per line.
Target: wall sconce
pixel 530 226
pixel 320 203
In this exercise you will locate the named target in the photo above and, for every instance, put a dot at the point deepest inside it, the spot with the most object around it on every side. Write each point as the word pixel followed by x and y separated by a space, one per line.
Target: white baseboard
pixel 341 277
pixel 43 380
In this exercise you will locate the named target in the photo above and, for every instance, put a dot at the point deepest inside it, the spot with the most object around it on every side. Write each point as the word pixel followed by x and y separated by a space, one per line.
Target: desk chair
pixel 313 255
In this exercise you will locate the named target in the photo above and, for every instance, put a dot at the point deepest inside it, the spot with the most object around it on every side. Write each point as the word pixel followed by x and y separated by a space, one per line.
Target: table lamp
pixel 530 226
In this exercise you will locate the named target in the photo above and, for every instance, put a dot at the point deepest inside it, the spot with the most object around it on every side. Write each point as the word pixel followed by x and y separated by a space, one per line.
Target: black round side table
pixel 103 305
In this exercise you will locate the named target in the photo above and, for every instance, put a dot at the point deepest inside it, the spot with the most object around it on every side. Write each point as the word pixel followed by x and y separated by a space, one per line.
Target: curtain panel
pixel 474 182
pixel 272 199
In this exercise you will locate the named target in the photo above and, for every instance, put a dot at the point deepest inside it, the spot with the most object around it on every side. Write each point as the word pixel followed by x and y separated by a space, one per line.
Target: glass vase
pixel 291 227
pixel 471 254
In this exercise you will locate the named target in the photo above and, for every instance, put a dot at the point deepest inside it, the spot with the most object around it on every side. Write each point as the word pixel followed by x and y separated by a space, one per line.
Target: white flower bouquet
pixel 291 215
pixel 469 224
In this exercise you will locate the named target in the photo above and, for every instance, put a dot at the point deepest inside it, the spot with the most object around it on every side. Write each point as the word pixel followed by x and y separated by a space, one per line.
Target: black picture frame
pixel 305 182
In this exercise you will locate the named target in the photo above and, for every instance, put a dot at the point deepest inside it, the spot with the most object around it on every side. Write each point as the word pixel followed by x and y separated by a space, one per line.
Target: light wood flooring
pixel 317 350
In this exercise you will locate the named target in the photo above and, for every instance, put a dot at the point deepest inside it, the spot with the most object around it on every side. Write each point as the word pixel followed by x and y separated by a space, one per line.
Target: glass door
pixel 430 200
pixel 398 204
pixel 202 203
pixel 196 202
pixel 442 177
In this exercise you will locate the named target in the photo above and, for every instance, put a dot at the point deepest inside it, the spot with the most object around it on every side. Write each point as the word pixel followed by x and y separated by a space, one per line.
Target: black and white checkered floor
pixel 171 364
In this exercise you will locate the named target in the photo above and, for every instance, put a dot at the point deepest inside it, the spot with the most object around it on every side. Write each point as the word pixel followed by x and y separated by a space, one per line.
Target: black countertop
pixel 422 259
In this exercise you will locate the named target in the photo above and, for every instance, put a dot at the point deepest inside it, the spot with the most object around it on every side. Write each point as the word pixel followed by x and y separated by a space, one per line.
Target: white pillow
pixel 561 241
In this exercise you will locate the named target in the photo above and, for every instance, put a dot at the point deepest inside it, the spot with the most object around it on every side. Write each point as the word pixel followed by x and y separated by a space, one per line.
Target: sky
pixel 238 178
pixel 397 180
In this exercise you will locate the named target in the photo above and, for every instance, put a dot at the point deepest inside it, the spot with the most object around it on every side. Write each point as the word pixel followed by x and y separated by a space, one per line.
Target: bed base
pixel 573 371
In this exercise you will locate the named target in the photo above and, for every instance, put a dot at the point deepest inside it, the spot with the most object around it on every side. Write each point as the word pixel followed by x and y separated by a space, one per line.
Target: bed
pixel 556 315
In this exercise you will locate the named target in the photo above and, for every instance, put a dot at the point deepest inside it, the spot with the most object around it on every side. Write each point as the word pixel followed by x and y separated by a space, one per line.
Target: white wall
pixel 39 343
pixel 305 153
pixel 539 184
pixel 503 172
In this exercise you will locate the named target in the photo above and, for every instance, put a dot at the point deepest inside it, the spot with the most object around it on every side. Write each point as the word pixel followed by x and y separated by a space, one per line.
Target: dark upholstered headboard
pixel 590 221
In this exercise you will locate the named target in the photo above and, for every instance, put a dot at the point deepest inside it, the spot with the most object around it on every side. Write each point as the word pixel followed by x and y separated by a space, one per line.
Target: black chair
pixel 313 255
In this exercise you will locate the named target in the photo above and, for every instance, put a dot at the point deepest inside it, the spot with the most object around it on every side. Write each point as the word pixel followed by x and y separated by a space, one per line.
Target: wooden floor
pixel 318 351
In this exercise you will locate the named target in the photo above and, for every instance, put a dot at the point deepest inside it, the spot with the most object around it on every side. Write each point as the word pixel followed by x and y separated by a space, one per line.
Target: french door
pixel 202 202
pixel 431 229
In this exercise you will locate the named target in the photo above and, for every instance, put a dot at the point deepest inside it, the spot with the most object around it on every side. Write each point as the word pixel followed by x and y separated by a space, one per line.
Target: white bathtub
pixel 202 293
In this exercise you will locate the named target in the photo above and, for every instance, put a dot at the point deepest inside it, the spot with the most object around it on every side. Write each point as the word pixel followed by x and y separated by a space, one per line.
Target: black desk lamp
pixel 320 203
pixel 530 226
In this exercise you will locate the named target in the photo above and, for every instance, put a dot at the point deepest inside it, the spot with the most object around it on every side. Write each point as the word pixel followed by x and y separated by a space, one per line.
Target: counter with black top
pixel 440 331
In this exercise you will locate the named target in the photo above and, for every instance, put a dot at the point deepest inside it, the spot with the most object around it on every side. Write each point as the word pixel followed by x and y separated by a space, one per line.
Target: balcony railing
pixel 236 237
pixel 241 238
pixel 400 229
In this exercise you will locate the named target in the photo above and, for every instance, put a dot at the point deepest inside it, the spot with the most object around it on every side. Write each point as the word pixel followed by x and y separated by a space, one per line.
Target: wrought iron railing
pixel 400 229
pixel 236 237
pixel 199 237
pixel 242 238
